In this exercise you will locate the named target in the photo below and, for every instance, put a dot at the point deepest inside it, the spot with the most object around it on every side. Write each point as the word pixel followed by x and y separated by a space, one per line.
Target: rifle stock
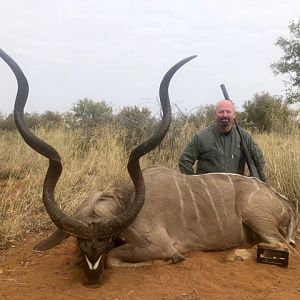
pixel 254 172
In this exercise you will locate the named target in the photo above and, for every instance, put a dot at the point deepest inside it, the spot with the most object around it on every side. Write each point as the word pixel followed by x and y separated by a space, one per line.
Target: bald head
pixel 224 104
pixel 224 115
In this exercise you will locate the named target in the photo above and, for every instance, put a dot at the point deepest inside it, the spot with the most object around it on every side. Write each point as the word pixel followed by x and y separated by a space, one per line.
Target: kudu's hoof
pixel 177 258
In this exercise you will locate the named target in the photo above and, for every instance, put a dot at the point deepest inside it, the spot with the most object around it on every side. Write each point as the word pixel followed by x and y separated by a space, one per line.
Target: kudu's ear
pixel 56 238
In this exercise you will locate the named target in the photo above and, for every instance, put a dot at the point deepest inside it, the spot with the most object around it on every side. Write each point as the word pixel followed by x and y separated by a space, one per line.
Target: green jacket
pixel 218 152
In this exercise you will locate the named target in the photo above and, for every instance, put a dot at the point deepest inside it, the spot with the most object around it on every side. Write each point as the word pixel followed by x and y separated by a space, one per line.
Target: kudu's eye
pixel 107 241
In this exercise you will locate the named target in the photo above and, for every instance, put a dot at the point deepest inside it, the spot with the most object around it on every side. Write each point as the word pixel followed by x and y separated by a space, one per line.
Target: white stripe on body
pixel 194 201
pixel 272 197
pixel 212 203
pixel 181 203
pixel 256 185
pixel 225 211
pixel 229 179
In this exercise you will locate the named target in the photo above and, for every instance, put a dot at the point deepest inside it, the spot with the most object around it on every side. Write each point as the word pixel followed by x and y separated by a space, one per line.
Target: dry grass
pixel 94 160
pixel 89 165
pixel 283 163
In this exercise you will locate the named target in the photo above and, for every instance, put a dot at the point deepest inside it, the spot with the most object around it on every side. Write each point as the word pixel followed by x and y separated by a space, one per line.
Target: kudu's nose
pixel 92 285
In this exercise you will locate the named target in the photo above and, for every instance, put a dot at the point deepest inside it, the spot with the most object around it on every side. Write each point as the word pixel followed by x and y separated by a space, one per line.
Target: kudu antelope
pixel 179 213
pixel 102 218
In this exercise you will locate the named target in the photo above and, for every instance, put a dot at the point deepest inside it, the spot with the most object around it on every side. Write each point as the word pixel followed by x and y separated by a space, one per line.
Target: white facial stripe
pixel 91 266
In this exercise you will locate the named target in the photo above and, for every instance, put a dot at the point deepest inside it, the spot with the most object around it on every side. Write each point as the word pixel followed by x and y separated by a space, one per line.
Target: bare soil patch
pixel 203 275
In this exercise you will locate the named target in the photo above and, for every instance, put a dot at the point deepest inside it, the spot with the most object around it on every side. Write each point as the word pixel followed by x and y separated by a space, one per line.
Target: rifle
pixel 254 172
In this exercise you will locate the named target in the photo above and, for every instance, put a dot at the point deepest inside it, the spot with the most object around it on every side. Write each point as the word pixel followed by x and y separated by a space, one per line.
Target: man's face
pixel 224 114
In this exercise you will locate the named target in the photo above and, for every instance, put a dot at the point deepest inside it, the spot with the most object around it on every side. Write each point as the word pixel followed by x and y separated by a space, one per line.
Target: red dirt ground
pixel 203 275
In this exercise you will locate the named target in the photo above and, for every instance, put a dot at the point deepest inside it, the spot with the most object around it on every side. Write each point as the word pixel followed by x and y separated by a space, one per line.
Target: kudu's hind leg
pixel 268 232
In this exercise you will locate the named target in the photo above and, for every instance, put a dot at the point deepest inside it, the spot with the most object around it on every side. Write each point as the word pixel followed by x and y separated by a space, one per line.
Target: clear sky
pixel 118 51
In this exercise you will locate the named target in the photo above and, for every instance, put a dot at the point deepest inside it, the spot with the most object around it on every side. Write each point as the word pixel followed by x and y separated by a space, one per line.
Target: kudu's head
pixel 94 238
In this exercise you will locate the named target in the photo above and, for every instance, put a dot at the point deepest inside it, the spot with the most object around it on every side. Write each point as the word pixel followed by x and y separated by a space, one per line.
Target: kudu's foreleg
pixel 129 255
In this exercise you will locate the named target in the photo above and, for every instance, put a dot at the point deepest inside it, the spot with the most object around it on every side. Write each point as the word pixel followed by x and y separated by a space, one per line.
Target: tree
pixel 265 113
pixel 138 123
pixel 51 119
pixel 8 123
pixel 290 62
pixel 203 116
pixel 33 120
pixel 89 113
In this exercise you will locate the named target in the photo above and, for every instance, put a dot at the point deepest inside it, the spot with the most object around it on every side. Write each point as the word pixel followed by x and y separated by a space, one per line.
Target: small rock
pixel 238 255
